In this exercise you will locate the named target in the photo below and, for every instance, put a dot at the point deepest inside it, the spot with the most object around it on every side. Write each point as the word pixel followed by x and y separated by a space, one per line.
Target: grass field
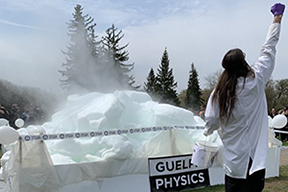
pixel 276 184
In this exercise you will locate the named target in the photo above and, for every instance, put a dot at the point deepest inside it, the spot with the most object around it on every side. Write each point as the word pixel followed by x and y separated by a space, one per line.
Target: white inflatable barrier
pixel 30 168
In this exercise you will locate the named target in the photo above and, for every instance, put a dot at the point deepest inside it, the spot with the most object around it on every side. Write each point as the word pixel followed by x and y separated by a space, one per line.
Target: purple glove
pixel 277 9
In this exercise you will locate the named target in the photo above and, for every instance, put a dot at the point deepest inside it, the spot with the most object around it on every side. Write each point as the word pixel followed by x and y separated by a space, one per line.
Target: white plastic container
pixel 204 153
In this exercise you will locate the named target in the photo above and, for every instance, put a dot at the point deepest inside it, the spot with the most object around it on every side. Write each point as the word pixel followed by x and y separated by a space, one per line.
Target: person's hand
pixel 277 9
pixel 205 133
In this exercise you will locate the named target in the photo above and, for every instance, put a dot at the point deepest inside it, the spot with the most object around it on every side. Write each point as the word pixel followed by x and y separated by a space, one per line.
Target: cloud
pixel 18 24
pixel 193 31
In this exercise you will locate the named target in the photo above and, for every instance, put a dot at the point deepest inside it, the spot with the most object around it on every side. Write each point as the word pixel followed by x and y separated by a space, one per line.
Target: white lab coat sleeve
pixel 266 62
pixel 211 116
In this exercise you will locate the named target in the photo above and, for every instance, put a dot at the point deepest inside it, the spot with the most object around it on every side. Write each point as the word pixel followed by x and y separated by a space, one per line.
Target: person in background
pixel 4 113
pixel 273 113
pixel 284 136
pixel 202 112
pixel 241 88
pixel 38 115
pixel 26 115
pixel 14 115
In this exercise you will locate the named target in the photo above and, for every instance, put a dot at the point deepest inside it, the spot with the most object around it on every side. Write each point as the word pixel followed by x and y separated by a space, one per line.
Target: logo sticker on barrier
pixel 45 137
pixel 27 138
pixel 92 134
pixel 101 133
pixel 77 135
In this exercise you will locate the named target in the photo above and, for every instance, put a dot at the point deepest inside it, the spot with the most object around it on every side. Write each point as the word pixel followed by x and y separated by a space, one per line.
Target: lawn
pixel 276 184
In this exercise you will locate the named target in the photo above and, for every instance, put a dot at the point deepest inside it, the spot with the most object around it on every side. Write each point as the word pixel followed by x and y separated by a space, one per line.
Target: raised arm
pixel 266 62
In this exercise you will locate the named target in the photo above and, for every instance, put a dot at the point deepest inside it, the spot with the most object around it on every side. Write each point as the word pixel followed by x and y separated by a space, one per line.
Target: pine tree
pixel 116 57
pixel 82 57
pixel 193 94
pixel 166 86
pixel 150 86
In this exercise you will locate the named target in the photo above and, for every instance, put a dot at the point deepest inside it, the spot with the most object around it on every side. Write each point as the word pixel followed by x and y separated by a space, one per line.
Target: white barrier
pixel 127 182
pixel 31 168
pixel 278 131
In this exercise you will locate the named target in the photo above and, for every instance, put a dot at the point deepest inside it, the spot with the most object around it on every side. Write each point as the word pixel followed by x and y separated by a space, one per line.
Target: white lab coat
pixel 245 136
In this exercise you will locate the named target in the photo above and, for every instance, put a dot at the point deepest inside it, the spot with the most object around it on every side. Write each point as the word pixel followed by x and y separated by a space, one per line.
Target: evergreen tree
pixel 116 58
pixel 193 94
pixel 150 86
pixel 82 57
pixel 166 86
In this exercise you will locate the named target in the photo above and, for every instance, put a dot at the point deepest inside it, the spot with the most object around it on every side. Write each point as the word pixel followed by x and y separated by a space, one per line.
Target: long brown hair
pixel 235 66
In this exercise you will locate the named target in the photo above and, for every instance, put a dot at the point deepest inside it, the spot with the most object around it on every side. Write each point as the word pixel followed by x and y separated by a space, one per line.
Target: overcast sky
pixel 33 33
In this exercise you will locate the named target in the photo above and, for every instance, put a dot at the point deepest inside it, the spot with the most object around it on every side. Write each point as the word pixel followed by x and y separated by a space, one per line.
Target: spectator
pixel 202 112
pixel 4 113
pixel 284 136
pixel 26 116
pixel 38 115
pixel 14 115
pixel 273 113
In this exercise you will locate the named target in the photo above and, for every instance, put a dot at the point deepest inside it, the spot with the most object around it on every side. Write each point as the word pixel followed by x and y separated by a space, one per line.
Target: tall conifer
pixel 193 94
pixel 81 66
pixel 116 58
pixel 166 86
pixel 150 85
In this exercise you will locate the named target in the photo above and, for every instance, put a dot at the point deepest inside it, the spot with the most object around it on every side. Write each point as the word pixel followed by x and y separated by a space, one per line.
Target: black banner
pixel 175 173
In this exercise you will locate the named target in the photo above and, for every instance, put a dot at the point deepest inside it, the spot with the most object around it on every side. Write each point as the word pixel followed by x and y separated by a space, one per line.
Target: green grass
pixel 275 184
pixel 279 184
pixel 285 143
pixel 216 188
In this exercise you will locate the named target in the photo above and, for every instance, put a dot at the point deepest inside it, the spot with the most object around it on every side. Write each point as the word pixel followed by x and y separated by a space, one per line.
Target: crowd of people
pixel 30 114
pixel 282 136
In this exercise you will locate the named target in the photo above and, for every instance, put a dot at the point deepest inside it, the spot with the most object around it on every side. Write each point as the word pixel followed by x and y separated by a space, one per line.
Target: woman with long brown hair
pixel 238 106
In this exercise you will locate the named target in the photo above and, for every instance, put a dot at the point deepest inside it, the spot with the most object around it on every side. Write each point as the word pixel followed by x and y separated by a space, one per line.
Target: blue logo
pixel 143 129
pixel 106 133
pixel 77 135
pixel 45 137
pixel 131 130
pixel 27 138
pixel 119 132
pixel 92 134
pixel 165 128
pixel 154 128
pixel 62 136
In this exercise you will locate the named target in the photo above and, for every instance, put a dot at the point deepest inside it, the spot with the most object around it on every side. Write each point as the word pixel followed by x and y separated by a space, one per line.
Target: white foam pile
pixel 119 110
